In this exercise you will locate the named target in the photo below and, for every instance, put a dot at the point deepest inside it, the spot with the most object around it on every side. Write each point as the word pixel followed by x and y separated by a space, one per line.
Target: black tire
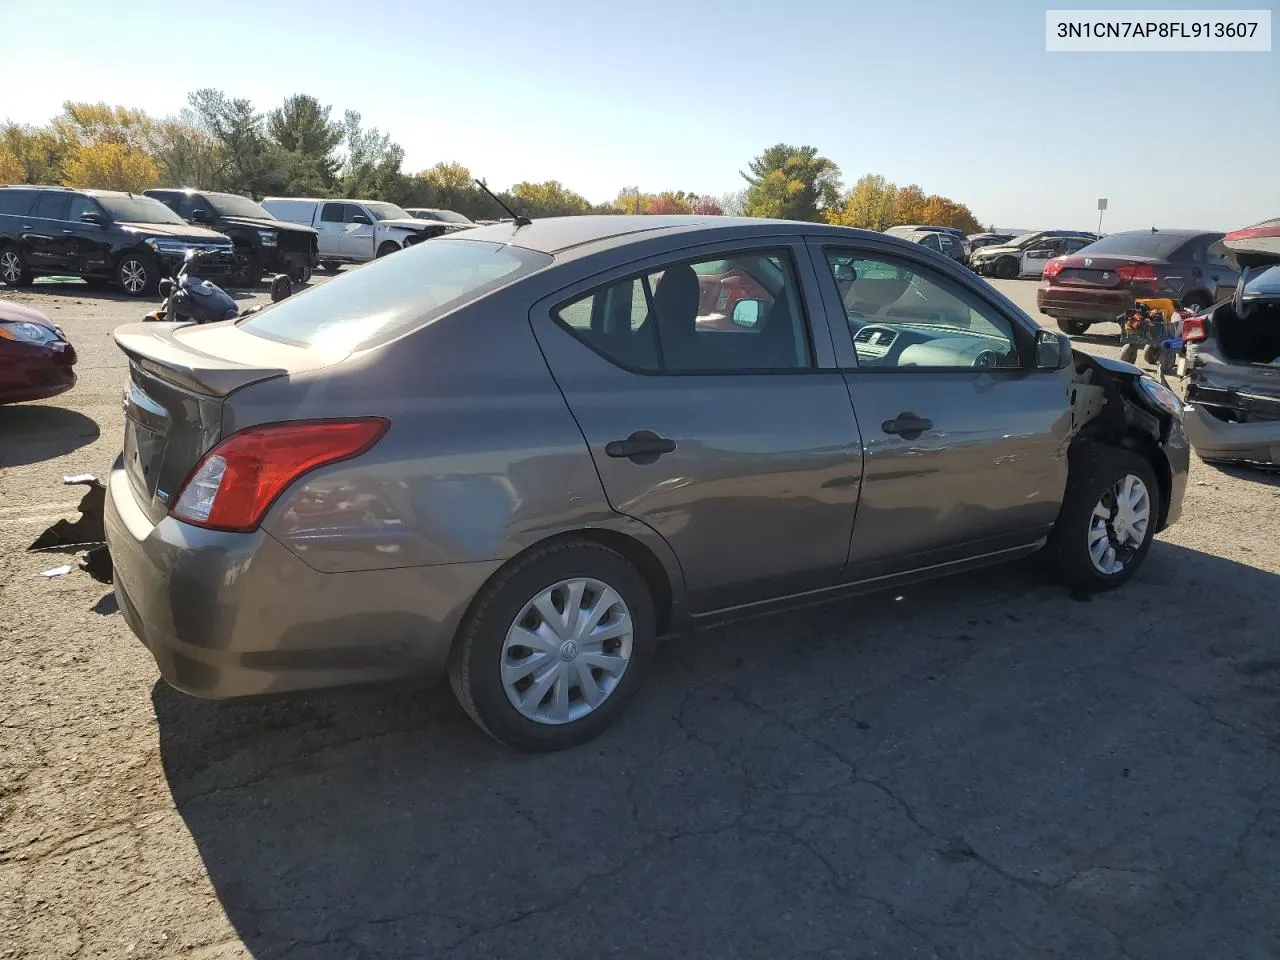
pixel 1007 268
pixel 1095 469
pixel 14 271
pixel 1197 302
pixel 333 266
pixel 1129 352
pixel 301 274
pixel 1073 328
pixel 387 247
pixel 138 274
pixel 248 267
pixel 1151 355
pixel 475 663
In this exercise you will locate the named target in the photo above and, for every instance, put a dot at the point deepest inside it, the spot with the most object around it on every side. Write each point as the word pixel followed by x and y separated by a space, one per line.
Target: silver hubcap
pixel 567 651
pixel 133 276
pixel 10 266
pixel 1119 524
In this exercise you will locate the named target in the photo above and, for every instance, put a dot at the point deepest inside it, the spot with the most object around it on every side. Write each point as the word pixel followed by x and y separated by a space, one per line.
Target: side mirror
pixel 165 287
pixel 361 218
pixel 201 215
pixel 747 313
pixel 95 218
pixel 1053 350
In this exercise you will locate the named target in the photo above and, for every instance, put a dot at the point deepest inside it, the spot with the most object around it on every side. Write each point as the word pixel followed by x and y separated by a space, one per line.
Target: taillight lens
pixel 1137 273
pixel 1052 268
pixel 236 482
pixel 1195 329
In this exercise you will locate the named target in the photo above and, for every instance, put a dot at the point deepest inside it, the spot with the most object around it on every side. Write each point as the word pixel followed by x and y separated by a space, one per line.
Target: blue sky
pixel 958 97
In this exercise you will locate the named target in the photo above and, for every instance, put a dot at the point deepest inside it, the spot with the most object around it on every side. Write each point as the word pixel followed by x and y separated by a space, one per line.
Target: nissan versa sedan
pixel 517 456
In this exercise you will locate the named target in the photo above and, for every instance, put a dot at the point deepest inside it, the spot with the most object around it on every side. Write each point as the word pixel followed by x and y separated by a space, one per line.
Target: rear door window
pixel 16 202
pixel 393 295
pixel 332 212
pixel 54 205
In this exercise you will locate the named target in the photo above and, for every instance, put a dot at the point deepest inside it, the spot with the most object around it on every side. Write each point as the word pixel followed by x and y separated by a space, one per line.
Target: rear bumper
pixel 1215 439
pixel 1092 306
pixel 233 615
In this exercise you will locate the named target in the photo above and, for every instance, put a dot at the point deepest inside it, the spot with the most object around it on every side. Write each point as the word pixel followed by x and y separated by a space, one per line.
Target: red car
pixel 36 361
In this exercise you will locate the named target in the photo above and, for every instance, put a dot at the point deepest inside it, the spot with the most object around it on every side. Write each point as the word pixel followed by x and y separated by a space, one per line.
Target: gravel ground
pixel 982 767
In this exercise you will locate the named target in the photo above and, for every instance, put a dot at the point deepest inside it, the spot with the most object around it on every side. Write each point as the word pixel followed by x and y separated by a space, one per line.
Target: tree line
pixel 301 149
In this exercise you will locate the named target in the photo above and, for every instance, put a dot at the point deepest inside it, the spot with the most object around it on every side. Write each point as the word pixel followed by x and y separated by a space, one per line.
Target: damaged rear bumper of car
pixel 1227 424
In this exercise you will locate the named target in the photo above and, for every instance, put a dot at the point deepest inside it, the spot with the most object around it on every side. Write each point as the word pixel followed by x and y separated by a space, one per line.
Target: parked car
pixel 101 235
pixel 1233 357
pixel 36 359
pixel 260 242
pixel 456 220
pixel 354 231
pixel 1034 257
pixel 979 240
pixel 917 233
pixel 1005 260
pixel 513 455
pixel 1099 282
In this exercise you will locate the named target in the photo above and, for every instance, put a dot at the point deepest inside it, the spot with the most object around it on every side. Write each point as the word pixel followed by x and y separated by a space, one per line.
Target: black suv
pixel 261 241
pixel 101 235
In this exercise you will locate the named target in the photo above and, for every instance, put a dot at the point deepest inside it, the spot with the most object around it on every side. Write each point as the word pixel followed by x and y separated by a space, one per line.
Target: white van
pixel 354 231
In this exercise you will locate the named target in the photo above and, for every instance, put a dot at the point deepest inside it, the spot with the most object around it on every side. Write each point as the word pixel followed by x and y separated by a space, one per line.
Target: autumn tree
pixel 549 199
pixel 11 169
pixel 870 205
pixel 791 183
pixel 708 207
pixel 110 166
pixel 908 205
pixel 450 186
pixel 36 150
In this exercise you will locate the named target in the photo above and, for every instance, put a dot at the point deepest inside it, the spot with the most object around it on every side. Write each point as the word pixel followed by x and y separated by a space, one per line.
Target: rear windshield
pixel 1143 243
pixel 393 295
pixel 1265 284
pixel 230 205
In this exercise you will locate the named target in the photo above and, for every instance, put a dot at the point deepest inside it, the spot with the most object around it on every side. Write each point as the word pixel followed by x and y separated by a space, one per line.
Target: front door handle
pixel 907 425
pixel 643 446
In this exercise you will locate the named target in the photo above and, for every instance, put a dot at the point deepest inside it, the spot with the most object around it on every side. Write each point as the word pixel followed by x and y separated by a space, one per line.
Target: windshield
pixel 1140 243
pixel 393 295
pixel 229 205
pixel 387 211
pixel 1265 284
pixel 448 216
pixel 1026 239
pixel 138 210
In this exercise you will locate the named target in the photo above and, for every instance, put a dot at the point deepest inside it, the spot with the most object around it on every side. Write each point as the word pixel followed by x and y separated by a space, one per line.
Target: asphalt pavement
pixel 982 767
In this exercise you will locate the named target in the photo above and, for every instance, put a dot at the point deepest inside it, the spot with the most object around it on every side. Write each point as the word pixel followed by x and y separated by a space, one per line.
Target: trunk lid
pixel 1101 272
pixel 1251 247
pixel 179 379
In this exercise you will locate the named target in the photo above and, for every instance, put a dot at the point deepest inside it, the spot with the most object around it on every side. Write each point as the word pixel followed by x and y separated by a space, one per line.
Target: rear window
pixel 393 295
pixel 16 202
pixel 1140 244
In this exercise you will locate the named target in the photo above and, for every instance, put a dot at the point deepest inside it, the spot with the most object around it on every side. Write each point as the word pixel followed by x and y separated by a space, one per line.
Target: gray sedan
pixel 520 455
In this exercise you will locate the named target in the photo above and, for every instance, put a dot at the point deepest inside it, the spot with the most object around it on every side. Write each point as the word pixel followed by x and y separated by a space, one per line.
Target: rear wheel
pixel 14 271
pixel 555 646
pixel 333 266
pixel 137 274
pixel 1152 355
pixel 301 274
pixel 1073 328
pixel 1108 518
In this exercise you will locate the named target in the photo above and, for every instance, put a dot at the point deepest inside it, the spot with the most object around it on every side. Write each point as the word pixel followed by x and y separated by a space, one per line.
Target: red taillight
pixel 1053 268
pixel 1137 273
pixel 1195 329
pixel 235 483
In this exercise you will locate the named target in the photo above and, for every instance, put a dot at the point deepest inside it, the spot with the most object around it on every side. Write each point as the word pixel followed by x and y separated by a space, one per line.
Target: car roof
pixel 594 232
pixel 1164 233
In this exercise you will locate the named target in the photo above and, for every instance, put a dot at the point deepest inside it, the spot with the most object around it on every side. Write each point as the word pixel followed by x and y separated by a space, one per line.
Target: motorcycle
pixel 188 298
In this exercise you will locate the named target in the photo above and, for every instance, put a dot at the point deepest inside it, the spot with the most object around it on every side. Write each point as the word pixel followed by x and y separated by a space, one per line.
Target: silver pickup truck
pixel 355 231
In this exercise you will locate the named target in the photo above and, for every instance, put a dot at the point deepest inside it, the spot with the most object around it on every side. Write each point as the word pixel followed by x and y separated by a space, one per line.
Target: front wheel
pixel 388 247
pixel 137 274
pixel 1108 518
pixel 1073 328
pixel 555 646
pixel 1006 268
pixel 248 267
pixel 301 274
pixel 333 266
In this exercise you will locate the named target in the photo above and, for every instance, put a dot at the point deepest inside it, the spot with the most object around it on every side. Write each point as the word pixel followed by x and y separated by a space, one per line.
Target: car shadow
pixel 1266 475
pixel 381 822
pixel 79 289
pixel 31 433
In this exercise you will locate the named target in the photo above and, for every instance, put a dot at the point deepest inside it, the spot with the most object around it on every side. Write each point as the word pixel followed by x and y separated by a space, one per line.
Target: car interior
pixel 900 318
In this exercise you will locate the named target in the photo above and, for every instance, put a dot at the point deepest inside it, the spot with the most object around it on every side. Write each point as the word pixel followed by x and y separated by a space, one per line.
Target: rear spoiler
pixel 155 349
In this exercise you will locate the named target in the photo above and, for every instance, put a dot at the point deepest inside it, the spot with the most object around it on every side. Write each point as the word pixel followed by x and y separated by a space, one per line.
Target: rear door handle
pixel 643 446
pixel 907 425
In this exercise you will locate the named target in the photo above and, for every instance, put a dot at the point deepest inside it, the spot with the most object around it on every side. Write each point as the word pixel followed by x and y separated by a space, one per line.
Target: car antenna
pixel 518 220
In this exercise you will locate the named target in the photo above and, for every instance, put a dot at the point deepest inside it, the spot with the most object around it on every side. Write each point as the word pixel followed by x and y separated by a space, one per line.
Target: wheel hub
pixel 1118 526
pixel 567 650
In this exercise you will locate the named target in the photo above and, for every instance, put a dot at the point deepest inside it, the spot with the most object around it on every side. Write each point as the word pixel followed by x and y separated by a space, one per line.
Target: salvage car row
pixel 135 240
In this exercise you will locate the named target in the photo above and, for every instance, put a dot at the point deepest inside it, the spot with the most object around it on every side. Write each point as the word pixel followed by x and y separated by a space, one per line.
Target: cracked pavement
pixel 980 767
